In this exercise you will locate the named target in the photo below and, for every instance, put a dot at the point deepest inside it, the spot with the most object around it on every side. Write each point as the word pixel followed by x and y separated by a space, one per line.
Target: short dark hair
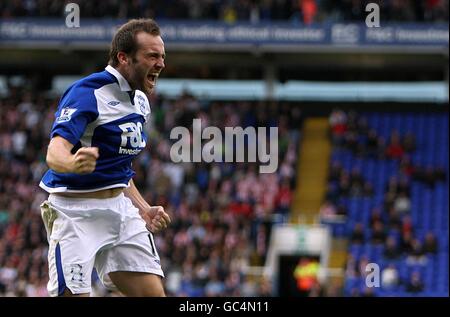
pixel 125 38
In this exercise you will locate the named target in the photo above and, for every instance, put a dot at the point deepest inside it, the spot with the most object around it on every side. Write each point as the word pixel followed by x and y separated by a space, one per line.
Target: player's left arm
pixel 154 216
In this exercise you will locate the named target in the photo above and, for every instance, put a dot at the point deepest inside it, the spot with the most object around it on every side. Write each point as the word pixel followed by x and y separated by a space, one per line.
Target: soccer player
pixel 95 215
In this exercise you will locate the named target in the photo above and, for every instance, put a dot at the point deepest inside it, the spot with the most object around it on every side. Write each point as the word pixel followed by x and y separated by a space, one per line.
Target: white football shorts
pixel 84 233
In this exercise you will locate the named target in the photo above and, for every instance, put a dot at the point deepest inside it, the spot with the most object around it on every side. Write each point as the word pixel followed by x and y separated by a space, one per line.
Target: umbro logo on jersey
pixel 113 103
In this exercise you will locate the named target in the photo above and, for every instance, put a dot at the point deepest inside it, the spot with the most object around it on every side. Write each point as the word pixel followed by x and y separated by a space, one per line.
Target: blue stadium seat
pixel 430 207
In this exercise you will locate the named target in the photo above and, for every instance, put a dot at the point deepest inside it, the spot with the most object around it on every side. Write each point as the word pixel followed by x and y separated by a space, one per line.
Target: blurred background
pixel 362 117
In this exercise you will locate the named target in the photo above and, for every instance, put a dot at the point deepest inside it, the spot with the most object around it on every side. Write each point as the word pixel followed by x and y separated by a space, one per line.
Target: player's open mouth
pixel 152 79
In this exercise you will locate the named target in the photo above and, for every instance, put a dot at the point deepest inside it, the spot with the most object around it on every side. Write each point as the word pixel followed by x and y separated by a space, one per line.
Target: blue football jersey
pixel 102 111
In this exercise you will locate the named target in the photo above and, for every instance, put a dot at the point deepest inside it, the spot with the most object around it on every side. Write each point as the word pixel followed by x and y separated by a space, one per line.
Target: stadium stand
pixel 305 11
pixel 403 223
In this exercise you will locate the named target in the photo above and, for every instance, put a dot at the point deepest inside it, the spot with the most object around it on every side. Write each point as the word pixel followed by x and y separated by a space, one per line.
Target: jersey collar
pixel 123 83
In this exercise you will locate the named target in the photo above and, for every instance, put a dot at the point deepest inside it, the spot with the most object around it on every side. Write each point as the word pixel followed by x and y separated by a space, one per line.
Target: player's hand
pixel 156 218
pixel 85 160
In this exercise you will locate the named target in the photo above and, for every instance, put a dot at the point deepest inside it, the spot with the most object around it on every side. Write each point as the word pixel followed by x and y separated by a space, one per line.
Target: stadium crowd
pixel 390 224
pixel 230 11
pixel 222 212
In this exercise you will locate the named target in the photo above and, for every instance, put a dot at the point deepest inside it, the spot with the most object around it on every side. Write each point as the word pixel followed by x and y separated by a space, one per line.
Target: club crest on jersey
pixel 76 270
pixel 66 114
pixel 141 103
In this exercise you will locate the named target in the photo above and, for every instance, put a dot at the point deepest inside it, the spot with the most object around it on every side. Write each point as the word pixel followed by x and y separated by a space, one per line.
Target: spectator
pixel 395 149
pixel 229 14
pixel 389 199
pixel 404 186
pixel 375 216
pixel 344 185
pixel 309 10
pixel 283 198
pixel 406 166
pixel 436 10
pixel 430 244
pixel 415 284
pixel 372 144
pixel 332 193
pixel 391 250
pixel 378 233
pixel 351 142
pixel 407 225
pixel 362 126
pixel 341 210
pixel 392 186
pixel 265 288
pixel 338 124
pixel 402 204
pixel 429 177
pixel 417 254
pixel 352 122
pixel 328 211
pixel 394 219
pixel 357 235
pixel 335 172
pixel 214 287
pixel 356 182
pixel 362 265
pixel 406 244
pixel 390 277
pixel 368 189
pixel 351 267
pixel 402 10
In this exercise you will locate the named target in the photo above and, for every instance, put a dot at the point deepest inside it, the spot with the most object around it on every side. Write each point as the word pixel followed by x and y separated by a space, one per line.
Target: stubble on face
pixel 147 63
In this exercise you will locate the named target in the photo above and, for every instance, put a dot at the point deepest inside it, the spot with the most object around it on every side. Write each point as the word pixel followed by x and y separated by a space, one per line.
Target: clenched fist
pixel 61 160
pixel 84 160
pixel 156 218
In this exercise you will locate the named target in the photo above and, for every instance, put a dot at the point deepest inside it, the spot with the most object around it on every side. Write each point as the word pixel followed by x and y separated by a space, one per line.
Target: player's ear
pixel 122 58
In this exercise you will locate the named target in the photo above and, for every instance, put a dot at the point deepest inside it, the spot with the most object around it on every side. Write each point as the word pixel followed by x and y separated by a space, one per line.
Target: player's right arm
pixel 61 160
pixel 77 109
